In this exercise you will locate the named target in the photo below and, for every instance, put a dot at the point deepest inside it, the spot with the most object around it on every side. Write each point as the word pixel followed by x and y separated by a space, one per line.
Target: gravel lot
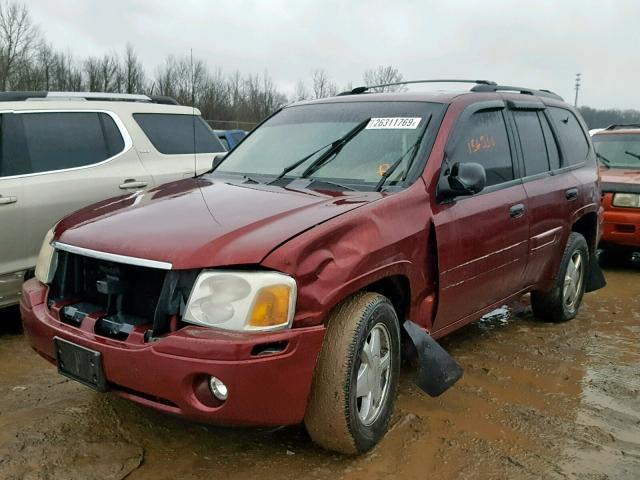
pixel 537 401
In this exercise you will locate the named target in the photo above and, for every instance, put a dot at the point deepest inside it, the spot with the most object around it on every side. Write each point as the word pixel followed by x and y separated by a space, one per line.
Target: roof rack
pixel 128 97
pixel 617 126
pixel 479 86
pixel 359 90
pixel 525 91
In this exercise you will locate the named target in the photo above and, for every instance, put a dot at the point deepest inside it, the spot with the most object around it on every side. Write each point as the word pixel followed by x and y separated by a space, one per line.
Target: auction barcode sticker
pixel 394 122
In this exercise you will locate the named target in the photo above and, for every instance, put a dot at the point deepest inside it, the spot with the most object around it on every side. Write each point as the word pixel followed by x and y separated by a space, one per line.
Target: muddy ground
pixel 537 401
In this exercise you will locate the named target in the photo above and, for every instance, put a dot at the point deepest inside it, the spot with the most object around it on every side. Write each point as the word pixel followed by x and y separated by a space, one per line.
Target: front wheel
pixel 356 378
pixel 562 302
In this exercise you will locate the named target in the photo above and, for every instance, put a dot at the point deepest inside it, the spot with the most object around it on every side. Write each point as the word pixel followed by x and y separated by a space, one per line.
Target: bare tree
pixel 132 71
pixel 17 39
pixel 322 86
pixel 301 92
pixel 382 75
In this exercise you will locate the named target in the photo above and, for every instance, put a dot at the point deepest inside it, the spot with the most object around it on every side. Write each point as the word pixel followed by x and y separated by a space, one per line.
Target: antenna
pixel 193 116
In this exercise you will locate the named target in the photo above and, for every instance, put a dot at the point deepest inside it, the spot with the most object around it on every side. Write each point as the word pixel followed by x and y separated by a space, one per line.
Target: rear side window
pixel 534 149
pixel 485 141
pixel 173 134
pixel 49 141
pixel 571 135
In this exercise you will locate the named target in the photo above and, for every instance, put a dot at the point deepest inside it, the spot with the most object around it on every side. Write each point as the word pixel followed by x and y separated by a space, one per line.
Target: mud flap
pixel 595 278
pixel 437 370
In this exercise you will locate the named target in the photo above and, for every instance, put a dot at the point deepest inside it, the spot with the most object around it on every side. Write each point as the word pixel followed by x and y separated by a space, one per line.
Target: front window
pixel 618 150
pixel 356 145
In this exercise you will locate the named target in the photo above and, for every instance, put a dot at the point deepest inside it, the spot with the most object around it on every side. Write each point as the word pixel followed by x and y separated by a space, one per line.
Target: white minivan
pixel 60 151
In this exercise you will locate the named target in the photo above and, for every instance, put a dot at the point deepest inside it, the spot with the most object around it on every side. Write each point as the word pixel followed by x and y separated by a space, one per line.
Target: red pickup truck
pixel 283 286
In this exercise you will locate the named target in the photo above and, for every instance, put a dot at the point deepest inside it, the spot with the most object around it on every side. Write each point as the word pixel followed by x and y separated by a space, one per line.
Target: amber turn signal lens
pixel 271 307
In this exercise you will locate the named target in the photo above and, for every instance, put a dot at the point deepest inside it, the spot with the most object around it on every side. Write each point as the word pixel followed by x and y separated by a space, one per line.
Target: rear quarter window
pixel 571 135
pixel 174 134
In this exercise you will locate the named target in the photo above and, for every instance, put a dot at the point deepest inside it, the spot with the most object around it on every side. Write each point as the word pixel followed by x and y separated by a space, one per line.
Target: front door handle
pixel 130 183
pixel 7 200
pixel 517 210
pixel 571 194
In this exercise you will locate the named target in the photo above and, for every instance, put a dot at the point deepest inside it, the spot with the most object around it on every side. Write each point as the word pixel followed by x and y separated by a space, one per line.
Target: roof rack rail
pixel 617 126
pixel 130 97
pixel 359 90
pixel 507 88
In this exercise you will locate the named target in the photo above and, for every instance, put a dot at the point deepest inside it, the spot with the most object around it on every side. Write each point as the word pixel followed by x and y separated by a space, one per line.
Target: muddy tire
pixel 561 303
pixel 356 377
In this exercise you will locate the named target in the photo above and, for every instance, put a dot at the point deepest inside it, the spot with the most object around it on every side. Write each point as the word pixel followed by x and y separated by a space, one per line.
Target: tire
pixel 336 417
pixel 562 302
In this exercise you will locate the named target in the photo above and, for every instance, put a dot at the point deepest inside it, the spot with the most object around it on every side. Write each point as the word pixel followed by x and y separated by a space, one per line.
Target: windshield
pixel 618 150
pixel 350 144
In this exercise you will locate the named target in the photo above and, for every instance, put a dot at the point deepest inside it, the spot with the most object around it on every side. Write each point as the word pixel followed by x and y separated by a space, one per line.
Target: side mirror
pixel 463 179
pixel 217 160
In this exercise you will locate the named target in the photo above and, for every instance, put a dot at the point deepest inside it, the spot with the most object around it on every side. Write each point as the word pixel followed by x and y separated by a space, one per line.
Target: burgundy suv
pixel 280 287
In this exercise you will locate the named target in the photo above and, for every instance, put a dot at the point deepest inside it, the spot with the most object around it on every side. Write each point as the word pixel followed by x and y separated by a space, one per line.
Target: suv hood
pixel 202 222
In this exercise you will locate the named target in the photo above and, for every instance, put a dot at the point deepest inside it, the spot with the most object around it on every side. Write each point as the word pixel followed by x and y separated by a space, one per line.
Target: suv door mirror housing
pixel 463 179
pixel 217 160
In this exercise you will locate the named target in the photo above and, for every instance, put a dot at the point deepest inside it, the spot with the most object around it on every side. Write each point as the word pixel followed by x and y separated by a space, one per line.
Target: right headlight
pixel 47 260
pixel 629 200
pixel 242 300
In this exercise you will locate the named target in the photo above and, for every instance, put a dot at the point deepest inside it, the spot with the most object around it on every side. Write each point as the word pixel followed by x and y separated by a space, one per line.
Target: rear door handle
pixel 571 194
pixel 7 200
pixel 132 183
pixel 517 210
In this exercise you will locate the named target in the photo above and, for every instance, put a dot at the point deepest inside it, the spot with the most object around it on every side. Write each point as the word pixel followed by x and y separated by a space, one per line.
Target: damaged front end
pixel 118 298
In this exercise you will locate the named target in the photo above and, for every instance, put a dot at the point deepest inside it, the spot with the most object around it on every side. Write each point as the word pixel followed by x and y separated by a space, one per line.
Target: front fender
pixel 345 254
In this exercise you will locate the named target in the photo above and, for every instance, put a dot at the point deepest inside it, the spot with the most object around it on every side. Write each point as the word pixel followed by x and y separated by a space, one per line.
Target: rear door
pixel 75 158
pixel 177 145
pixel 482 239
pixel 551 190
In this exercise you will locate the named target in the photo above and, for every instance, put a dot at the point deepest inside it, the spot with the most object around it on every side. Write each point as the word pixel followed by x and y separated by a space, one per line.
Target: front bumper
pixel 621 226
pixel 168 374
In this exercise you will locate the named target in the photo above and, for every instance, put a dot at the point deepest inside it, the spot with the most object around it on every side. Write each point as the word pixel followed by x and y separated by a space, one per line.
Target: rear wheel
pixel 356 378
pixel 562 302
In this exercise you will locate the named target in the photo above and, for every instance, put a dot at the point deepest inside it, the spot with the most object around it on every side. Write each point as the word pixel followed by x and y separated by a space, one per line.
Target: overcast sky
pixel 540 44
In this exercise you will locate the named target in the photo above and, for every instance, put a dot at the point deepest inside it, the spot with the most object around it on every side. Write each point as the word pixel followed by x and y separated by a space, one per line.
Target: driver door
pixel 482 239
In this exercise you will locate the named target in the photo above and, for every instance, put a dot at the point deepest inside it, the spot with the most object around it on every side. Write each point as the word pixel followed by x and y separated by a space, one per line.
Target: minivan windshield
pixel 618 150
pixel 356 145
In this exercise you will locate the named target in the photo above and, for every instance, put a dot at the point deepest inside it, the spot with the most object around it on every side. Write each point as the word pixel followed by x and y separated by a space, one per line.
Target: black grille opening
pixel 123 296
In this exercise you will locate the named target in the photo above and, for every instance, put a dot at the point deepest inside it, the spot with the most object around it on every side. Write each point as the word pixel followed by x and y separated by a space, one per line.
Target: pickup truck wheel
pixel 356 378
pixel 563 301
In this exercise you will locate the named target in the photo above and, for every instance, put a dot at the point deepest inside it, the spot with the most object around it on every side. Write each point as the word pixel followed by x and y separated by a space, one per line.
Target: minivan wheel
pixel 356 377
pixel 563 301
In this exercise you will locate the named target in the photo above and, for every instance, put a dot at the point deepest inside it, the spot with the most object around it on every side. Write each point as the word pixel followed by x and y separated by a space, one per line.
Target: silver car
pixel 60 151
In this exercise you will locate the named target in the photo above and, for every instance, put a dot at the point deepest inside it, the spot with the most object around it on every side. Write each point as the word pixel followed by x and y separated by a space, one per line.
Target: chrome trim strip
pixel 112 257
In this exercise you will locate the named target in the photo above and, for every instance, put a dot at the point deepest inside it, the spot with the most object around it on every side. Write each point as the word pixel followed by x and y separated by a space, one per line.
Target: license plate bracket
pixel 80 364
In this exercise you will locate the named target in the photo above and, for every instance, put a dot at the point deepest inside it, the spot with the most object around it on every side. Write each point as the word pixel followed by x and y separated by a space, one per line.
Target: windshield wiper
pixel 394 165
pixel 335 149
pixel 604 160
pixel 632 154
pixel 329 182
pixel 333 144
